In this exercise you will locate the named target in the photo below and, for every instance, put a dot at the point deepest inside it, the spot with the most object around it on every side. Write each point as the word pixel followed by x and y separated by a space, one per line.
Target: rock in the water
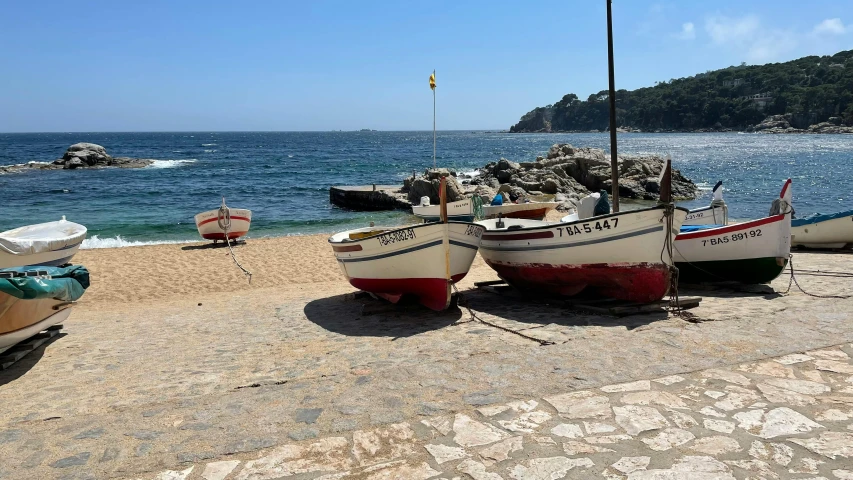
pixel 89 153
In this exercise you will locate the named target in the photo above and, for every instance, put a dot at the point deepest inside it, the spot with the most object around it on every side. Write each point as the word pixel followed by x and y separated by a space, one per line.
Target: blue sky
pixel 328 65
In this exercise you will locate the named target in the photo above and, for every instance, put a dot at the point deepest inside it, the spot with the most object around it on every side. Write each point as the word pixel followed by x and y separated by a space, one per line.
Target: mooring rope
pixel 461 300
pixel 224 221
pixel 793 281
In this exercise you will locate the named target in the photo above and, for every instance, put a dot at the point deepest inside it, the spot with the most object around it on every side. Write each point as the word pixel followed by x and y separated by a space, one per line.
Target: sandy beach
pixel 172 361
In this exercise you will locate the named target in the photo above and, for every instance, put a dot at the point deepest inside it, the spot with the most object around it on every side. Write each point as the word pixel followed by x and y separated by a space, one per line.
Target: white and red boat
pixel 213 223
pixel 749 252
pixel 420 260
pixel 620 255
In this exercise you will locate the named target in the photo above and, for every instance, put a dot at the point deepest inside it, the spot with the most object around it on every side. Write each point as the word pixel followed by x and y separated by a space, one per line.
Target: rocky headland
pixel 80 155
pixel 565 174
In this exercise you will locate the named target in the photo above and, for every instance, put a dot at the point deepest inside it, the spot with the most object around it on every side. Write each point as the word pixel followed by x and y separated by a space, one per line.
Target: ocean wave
pixel 704 186
pixel 470 173
pixel 209 151
pixel 208 144
pixel 116 242
pixel 171 163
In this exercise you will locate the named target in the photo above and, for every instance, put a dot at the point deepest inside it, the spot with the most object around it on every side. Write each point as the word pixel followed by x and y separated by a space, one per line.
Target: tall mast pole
pixel 433 124
pixel 614 166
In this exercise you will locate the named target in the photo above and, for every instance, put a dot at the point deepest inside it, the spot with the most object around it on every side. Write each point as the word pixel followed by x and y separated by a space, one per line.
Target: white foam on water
pixel 470 173
pixel 208 144
pixel 171 163
pixel 209 151
pixel 704 186
pixel 116 242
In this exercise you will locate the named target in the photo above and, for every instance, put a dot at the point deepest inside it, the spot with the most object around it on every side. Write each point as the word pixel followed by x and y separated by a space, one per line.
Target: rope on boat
pixel 223 219
pixel 666 249
pixel 461 300
pixel 793 281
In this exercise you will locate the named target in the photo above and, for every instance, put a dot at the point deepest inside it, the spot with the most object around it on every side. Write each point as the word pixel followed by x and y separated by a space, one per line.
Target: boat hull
pixel 716 215
pixel 413 260
pixel 48 244
pixel 616 255
pixel 461 211
pixel 834 233
pixel 208 224
pixel 531 211
pixel 749 252
pixel 21 319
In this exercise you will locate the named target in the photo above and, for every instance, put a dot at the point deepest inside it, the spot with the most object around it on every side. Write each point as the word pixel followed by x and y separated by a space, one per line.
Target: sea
pixel 284 177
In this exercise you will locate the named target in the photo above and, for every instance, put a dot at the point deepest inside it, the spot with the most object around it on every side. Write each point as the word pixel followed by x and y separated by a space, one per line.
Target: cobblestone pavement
pixel 789 417
pixel 320 384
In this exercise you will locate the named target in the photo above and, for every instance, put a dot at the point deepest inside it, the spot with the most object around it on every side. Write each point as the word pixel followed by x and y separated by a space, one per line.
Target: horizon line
pixel 504 130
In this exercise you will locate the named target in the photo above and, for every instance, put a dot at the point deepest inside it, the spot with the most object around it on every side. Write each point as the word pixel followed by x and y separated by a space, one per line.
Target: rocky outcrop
pixel 92 155
pixel 782 124
pixel 81 155
pixel 570 173
pixel 427 185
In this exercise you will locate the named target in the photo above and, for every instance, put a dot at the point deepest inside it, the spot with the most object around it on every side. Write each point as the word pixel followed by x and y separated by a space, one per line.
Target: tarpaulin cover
pixel 65 283
pixel 696 228
pixel 819 217
pixel 42 237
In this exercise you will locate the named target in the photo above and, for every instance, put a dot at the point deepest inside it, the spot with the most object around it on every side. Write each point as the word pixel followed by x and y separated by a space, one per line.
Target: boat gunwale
pixel 711 232
pixel 407 227
pixel 585 220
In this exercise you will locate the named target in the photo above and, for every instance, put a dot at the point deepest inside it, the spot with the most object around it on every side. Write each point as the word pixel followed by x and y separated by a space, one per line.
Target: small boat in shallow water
pixel 35 298
pixel 48 244
pixel 823 231
pixel 749 252
pixel 213 223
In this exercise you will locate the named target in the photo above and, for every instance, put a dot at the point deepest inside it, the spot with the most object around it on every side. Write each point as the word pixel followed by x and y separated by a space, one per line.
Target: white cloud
pixel 830 26
pixel 747 36
pixel 688 32
pixel 730 30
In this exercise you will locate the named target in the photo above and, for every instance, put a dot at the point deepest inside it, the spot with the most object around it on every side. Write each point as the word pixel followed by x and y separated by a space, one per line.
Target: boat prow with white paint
pixel 749 252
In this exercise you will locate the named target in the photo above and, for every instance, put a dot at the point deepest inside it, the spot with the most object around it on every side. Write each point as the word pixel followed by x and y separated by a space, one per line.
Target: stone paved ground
pixel 297 383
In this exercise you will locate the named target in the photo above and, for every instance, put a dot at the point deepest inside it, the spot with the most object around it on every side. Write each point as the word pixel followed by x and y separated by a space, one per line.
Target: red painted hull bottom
pixel 433 293
pixel 636 282
pixel 221 236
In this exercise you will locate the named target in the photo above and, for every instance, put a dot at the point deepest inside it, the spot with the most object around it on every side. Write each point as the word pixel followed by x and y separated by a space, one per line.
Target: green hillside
pixel 810 89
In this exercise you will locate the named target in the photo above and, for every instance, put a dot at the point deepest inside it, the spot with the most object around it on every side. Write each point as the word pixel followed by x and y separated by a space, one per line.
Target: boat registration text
pixel 735 237
pixel 590 227
pixel 396 237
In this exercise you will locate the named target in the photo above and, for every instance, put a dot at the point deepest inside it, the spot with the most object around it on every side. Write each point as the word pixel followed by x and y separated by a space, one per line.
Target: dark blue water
pixel 284 177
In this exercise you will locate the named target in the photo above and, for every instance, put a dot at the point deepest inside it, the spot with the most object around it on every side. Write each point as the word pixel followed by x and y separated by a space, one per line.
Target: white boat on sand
pixel 49 244
pixel 750 252
pixel 459 211
pixel 823 231
pixel 422 260
pixel 35 298
pixel 717 213
pixel 212 223
pixel 619 255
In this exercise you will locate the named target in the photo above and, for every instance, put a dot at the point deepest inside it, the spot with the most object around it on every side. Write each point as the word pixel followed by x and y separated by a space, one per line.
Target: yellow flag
pixel 432 81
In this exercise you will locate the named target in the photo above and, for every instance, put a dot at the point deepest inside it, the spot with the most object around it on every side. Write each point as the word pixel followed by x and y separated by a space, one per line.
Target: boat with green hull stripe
pixel 749 270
